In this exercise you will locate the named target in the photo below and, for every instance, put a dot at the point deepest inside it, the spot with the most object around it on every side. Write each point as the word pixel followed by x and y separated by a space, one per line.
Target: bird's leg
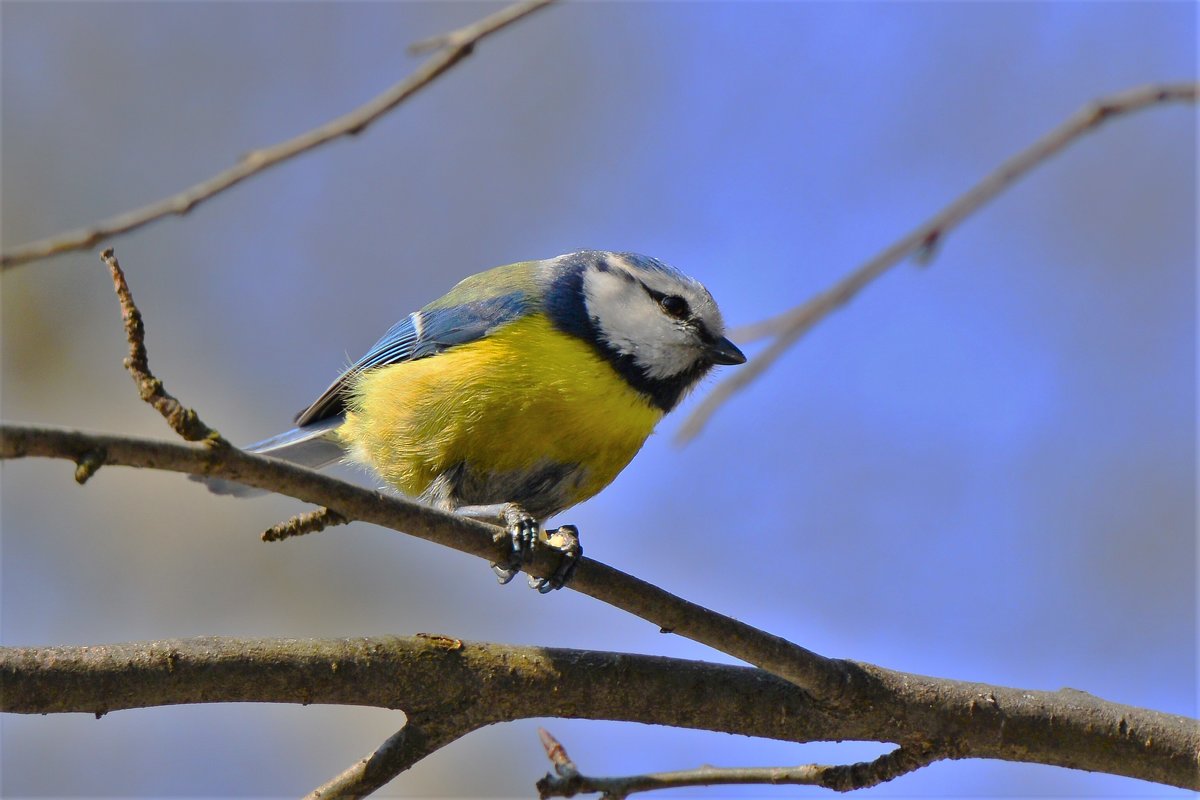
pixel 524 533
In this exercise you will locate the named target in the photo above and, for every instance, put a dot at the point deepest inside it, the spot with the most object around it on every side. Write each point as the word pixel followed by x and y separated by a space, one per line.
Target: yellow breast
pixel 525 395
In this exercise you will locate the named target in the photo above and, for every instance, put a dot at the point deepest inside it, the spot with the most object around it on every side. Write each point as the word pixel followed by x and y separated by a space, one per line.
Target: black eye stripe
pixel 674 305
pixel 684 313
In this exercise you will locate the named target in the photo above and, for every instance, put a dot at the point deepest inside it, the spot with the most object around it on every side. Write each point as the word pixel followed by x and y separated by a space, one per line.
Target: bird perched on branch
pixel 524 390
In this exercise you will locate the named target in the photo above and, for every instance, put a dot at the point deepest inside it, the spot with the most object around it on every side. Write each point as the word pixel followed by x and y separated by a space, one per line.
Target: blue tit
pixel 524 390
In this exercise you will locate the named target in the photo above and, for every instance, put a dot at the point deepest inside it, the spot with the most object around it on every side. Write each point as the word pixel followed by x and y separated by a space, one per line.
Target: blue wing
pixel 419 335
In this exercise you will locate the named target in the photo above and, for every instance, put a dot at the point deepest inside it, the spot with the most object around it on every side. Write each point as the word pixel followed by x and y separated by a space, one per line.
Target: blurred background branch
pixel 451 48
pixel 922 243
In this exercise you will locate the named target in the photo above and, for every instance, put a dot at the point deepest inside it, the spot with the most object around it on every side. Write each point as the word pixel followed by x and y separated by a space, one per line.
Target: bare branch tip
pixel 565 781
pixel 554 749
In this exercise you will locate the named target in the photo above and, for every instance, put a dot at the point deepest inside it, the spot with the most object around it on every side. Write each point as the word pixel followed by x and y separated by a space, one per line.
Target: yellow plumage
pixel 524 396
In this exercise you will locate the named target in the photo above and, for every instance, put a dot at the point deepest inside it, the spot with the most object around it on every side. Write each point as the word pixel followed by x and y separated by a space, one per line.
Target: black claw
pixel 526 540
pixel 522 530
pixel 504 574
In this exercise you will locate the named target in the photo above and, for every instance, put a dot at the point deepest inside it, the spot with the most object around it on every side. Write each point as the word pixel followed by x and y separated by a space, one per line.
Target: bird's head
pixel 661 329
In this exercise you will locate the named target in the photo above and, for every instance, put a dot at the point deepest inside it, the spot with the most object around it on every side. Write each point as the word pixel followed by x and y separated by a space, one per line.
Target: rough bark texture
pixel 435 677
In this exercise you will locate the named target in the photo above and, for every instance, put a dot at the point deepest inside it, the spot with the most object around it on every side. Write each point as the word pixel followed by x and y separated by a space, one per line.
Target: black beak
pixel 723 351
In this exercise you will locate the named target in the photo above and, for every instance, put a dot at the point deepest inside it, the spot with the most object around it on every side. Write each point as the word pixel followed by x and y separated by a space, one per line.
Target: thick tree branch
pixel 456 687
pixel 423 675
pixel 788 327
pixel 451 48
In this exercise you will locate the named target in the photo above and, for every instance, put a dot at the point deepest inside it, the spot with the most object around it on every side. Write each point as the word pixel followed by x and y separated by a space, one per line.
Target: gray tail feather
pixel 309 446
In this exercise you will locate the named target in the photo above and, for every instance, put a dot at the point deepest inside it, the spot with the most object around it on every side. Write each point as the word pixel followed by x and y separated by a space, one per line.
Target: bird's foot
pixel 522 530
pixel 524 535
pixel 565 540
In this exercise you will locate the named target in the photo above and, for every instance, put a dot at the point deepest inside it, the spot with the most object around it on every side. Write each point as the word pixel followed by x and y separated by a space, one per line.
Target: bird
pixel 524 390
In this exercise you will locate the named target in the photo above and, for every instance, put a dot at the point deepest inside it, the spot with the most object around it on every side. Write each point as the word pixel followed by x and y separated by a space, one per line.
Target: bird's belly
pixel 527 415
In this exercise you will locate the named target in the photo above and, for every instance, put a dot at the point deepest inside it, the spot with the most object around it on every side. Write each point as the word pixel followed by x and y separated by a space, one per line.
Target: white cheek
pixel 605 290
pixel 631 323
pixel 619 309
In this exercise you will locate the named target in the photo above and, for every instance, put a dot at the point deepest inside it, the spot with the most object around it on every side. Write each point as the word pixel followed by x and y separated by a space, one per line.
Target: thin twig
pixel 467 37
pixel 182 420
pixel 555 752
pixel 299 525
pixel 891 765
pixel 457 45
pixel 421 735
pixel 568 781
pixel 789 326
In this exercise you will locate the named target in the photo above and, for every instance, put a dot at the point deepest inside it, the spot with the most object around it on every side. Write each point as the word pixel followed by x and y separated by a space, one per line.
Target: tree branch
pixel 183 420
pixel 341 502
pixel 450 687
pixel 788 327
pixel 827 679
pixel 451 48
pixel 301 524
pixel 567 781
pixel 421 736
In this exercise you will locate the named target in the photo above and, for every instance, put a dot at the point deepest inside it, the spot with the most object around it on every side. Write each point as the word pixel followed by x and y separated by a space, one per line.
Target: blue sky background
pixel 982 470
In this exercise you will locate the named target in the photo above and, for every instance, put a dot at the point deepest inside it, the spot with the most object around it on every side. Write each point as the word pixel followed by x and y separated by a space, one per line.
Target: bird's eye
pixel 675 306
